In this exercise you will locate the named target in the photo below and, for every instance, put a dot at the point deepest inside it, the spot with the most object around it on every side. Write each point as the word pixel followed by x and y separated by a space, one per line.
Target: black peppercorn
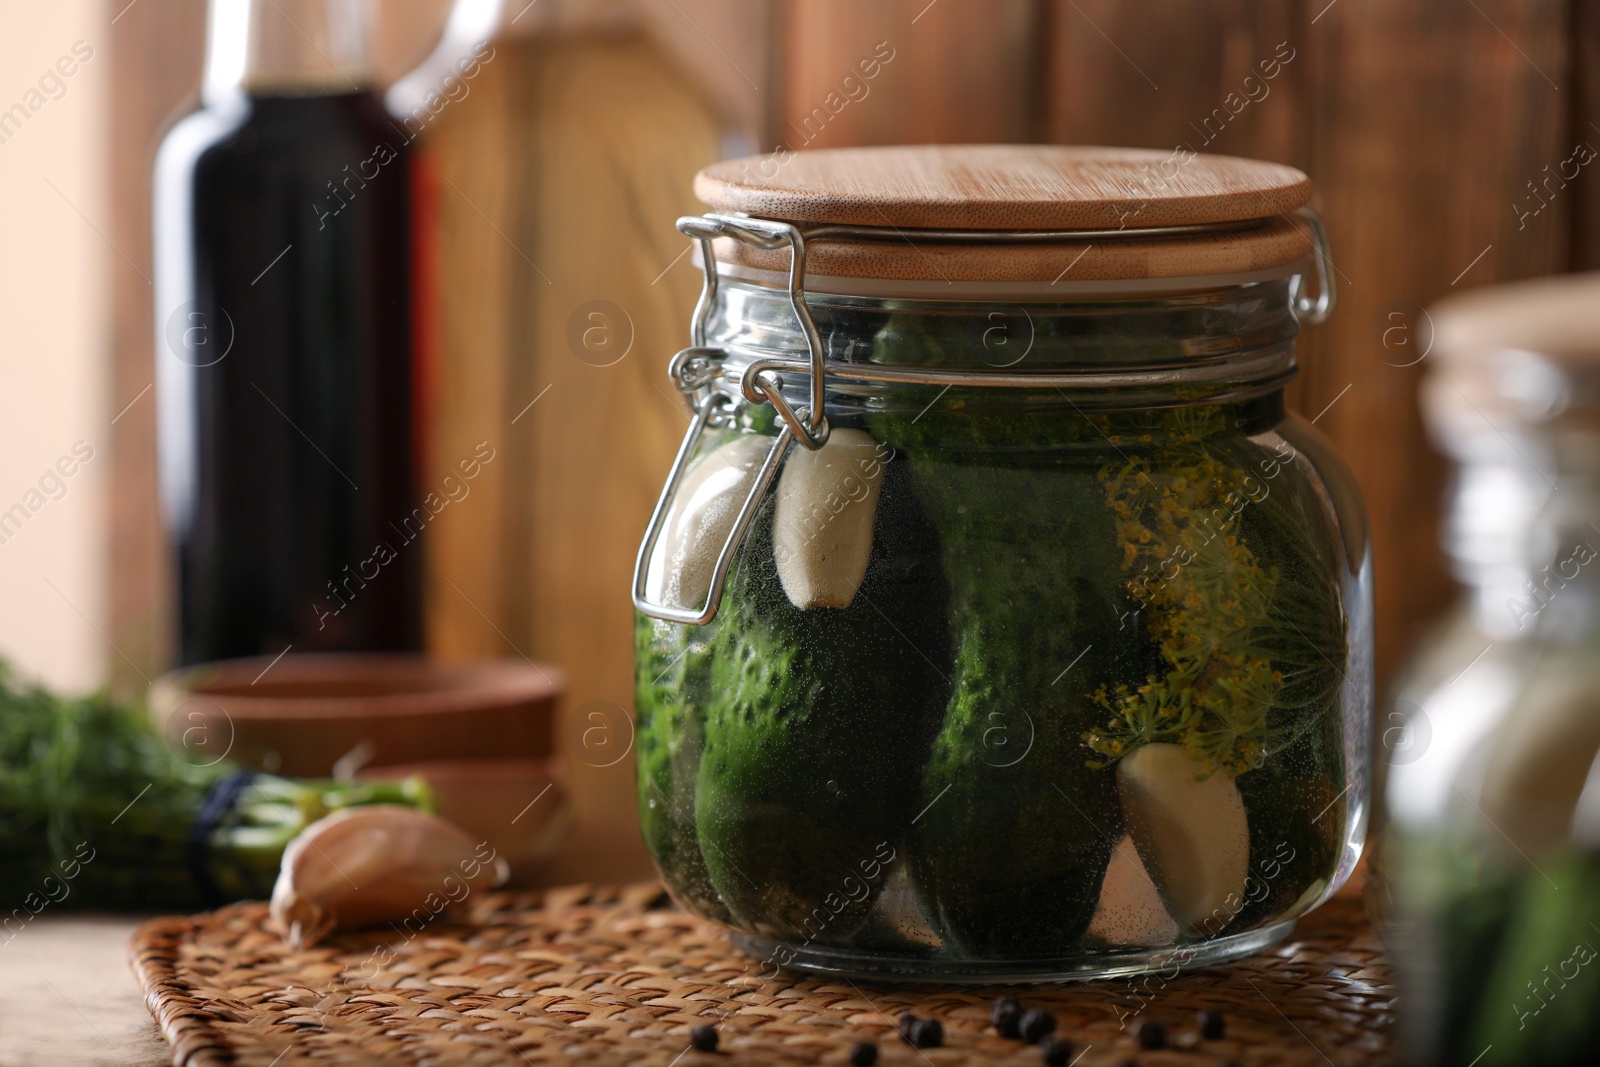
pixel 1212 1025
pixel 864 1054
pixel 926 1033
pixel 1057 1051
pixel 1005 1014
pixel 904 1024
pixel 1152 1035
pixel 1035 1025
pixel 704 1038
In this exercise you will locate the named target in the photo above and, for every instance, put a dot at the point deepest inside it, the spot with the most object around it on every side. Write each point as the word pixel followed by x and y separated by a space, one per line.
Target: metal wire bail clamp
pixel 695 370
pixel 730 547
pixel 1309 310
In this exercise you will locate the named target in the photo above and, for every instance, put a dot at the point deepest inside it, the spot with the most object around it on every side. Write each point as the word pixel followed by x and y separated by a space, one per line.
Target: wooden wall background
pixel 556 182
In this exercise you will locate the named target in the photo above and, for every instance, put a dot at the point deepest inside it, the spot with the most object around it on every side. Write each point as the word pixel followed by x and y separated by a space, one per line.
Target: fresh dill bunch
pixel 96 810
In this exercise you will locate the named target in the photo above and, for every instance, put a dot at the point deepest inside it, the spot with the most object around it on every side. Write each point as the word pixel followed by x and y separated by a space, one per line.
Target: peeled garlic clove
pixel 1192 835
pixel 898 911
pixel 827 502
pixel 1131 911
pixel 378 863
pixel 1536 775
pixel 698 520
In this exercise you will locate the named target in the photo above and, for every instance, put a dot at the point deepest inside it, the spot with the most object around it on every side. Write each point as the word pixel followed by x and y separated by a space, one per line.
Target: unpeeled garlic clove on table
pixel 698 519
pixel 520 807
pixel 827 503
pixel 378 863
pixel 1192 834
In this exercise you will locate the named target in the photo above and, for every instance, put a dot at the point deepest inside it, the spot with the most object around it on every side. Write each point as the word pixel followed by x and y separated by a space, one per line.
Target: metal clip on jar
pixel 1048 652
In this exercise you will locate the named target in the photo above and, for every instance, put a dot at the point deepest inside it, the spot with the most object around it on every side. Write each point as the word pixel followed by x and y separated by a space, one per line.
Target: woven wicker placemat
pixel 619 975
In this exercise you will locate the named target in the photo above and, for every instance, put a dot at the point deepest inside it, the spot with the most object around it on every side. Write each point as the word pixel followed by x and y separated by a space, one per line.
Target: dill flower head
pixel 1204 597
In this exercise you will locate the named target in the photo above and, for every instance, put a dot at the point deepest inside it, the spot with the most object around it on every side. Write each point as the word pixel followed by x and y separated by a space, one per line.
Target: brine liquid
pixel 926 782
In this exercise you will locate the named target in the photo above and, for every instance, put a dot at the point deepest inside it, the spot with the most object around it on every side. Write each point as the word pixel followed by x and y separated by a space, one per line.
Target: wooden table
pixel 67 997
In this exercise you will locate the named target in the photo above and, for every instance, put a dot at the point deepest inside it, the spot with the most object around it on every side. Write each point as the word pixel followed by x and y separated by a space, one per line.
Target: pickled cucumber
pixel 669 707
pixel 1017 831
pixel 1537 994
pixel 817 724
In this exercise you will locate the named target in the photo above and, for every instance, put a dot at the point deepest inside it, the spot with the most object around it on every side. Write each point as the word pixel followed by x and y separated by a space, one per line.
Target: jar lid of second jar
pixel 1055 216
pixel 1519 355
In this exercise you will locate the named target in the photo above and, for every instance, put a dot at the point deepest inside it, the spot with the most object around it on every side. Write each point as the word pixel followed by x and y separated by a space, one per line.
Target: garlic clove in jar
pixel 1535 775
pixel 1191 832
pixel 378 863
pixel 702 512
pixel 827 504
pixel 1131 911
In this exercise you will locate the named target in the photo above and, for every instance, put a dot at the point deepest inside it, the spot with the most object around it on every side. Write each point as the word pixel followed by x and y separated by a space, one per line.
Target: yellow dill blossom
pixel 1202 595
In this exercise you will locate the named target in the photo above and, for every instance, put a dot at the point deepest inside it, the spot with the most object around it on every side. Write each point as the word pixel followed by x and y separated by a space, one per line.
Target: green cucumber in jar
pixel 817 724
pixel 669 709
pixel 1535 997
pixel 1016 832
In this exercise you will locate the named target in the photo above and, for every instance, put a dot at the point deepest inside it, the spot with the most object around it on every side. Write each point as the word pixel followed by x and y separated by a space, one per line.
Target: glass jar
pixel 1044 649
pixel 1492 849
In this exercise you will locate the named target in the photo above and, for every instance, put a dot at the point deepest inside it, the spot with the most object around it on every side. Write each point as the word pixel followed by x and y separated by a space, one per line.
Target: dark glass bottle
pixel 284 345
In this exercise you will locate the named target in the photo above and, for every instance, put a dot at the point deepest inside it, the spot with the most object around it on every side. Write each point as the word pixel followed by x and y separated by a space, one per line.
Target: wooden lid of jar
pixel 1525 353
pixel 1002 187
pixel 1012 188
pixel 1556 317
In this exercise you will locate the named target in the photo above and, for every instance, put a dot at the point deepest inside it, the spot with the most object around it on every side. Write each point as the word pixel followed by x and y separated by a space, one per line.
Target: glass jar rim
pixel 1210 337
